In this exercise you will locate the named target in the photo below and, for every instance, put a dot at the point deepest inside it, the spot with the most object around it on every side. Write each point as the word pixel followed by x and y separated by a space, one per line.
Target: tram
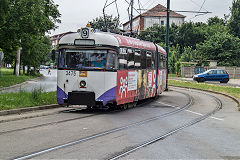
pixel 100 69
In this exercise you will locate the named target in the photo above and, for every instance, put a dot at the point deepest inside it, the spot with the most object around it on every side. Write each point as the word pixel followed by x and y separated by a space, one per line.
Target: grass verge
pixel 26 99
pixel 173 75
pixel 234 92
pixel 8 79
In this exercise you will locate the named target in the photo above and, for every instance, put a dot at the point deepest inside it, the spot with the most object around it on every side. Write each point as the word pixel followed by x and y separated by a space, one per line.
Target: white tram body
pixel 99 69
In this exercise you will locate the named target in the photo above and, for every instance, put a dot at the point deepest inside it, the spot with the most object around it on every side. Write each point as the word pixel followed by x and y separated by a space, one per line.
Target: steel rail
pixel 46 124
pixel 190 102
pixel 67 120
pixel 173 131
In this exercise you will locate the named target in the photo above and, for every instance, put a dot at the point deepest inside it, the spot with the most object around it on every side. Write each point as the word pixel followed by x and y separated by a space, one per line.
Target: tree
pixel 26 18
pixel 188 55
pixel 112 24
pixel 213 29
pixel 154 34
pixel 35 49
pixel 223 47
pixel 157 34
pixel 215 20
pixel 172 62
pixel 189 34
pixel 234 22
pixel 3 10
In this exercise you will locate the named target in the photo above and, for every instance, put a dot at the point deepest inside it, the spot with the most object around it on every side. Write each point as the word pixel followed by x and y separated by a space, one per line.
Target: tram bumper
pixel 80 98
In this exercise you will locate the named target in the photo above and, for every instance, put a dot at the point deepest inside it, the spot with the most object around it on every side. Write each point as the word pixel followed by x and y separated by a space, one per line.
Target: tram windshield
pixel 87 59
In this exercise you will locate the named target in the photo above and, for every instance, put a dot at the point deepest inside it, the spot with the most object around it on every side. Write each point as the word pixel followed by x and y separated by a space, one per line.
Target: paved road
pixel 47 83
pixel 217 137
pixel 231 83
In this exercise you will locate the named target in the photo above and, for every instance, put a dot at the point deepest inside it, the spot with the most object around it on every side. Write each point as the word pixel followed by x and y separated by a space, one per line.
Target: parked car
pixel 44 67
pixel 212 75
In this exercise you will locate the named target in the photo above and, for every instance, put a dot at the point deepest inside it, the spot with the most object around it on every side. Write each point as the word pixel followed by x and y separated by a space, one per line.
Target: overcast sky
pixel 77 13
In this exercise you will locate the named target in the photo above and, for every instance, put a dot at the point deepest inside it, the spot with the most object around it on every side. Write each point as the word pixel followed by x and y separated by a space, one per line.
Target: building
pixel 156 15
pixel 55 39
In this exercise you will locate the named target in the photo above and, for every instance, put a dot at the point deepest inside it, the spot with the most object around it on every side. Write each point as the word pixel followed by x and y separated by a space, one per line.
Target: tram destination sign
pixel 84 42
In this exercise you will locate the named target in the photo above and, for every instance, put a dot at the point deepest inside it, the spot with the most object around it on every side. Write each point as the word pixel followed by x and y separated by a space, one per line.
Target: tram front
pixel 87 68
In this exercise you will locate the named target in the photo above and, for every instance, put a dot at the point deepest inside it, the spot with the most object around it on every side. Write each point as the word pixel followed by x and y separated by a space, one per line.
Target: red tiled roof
pixel 161 11
pixel 158 11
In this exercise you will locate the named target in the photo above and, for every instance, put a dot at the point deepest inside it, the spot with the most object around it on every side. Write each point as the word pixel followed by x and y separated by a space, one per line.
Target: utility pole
pixel 131 18
pixel 167 41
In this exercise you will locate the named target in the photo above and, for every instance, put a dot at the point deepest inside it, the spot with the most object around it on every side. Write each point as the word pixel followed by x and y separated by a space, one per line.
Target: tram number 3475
pixel 70 73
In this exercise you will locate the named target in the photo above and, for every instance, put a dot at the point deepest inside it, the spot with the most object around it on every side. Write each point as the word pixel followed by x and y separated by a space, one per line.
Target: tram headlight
pixel 83 84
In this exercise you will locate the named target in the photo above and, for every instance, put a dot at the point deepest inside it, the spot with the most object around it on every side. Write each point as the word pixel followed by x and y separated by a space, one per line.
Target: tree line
pixel 218 39
pixel 23 24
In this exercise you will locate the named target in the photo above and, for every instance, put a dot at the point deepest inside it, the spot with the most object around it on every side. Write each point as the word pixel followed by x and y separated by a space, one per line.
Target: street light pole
pixel 167 41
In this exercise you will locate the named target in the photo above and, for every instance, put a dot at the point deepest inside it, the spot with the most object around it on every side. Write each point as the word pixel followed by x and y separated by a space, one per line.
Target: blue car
pixel 212 75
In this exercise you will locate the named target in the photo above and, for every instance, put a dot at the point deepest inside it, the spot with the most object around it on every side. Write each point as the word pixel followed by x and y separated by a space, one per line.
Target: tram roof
pixel 110 39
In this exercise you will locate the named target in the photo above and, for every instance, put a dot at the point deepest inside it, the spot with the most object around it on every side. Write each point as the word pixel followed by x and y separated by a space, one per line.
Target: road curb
pixel 19 84
pixel 233 98
pixel 29 109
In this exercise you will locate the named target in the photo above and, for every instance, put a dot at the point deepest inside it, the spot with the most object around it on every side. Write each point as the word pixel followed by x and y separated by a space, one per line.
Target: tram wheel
pixel 89 108
pixel 134 104
pixel 124 106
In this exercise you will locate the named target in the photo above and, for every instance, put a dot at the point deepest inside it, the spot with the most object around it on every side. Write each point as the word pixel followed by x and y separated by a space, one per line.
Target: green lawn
pixel 232 91
pixel 26 99
pixel 8 79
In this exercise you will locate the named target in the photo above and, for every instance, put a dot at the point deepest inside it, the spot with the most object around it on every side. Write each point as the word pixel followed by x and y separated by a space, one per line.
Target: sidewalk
pixel 25 113
pixel 47 83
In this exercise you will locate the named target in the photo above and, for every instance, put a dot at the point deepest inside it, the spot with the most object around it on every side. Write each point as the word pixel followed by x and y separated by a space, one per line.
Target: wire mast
pixel 167 40
pixel 131 18
pixel 106 26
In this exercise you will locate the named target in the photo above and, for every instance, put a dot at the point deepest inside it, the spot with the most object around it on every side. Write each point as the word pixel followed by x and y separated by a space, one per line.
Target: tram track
pixel 75 110
pixel 92 115
pixel 170 132
pixel 179 109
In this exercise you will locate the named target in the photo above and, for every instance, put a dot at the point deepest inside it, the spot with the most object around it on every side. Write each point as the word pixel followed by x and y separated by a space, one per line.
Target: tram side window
pixel 130 62
pixel 137 58
pixel 143 60
pixel 149 59
pixel 122 58
pixel 164 62
pixel 111 60
pixel 153 60
pixel 160 61
pixel 61 59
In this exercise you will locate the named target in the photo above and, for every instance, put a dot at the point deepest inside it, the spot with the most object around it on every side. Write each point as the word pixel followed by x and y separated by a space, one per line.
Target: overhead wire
pixel 118 15
pixel 139 26
pixel 151 4
pixel 198 5
pixel 146 3
pixel 201 7
pixel 139 7
pixel 118 21
pixel 133 7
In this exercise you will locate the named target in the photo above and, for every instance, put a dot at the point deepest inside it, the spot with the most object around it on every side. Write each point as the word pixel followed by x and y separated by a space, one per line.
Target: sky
pixel 77 13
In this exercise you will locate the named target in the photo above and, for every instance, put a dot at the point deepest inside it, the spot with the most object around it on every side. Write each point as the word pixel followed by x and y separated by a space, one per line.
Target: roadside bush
pixel 36 93
pixel 178 68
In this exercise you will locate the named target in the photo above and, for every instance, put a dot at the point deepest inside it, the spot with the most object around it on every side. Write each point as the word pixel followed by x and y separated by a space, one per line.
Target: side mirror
pixel 53 54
